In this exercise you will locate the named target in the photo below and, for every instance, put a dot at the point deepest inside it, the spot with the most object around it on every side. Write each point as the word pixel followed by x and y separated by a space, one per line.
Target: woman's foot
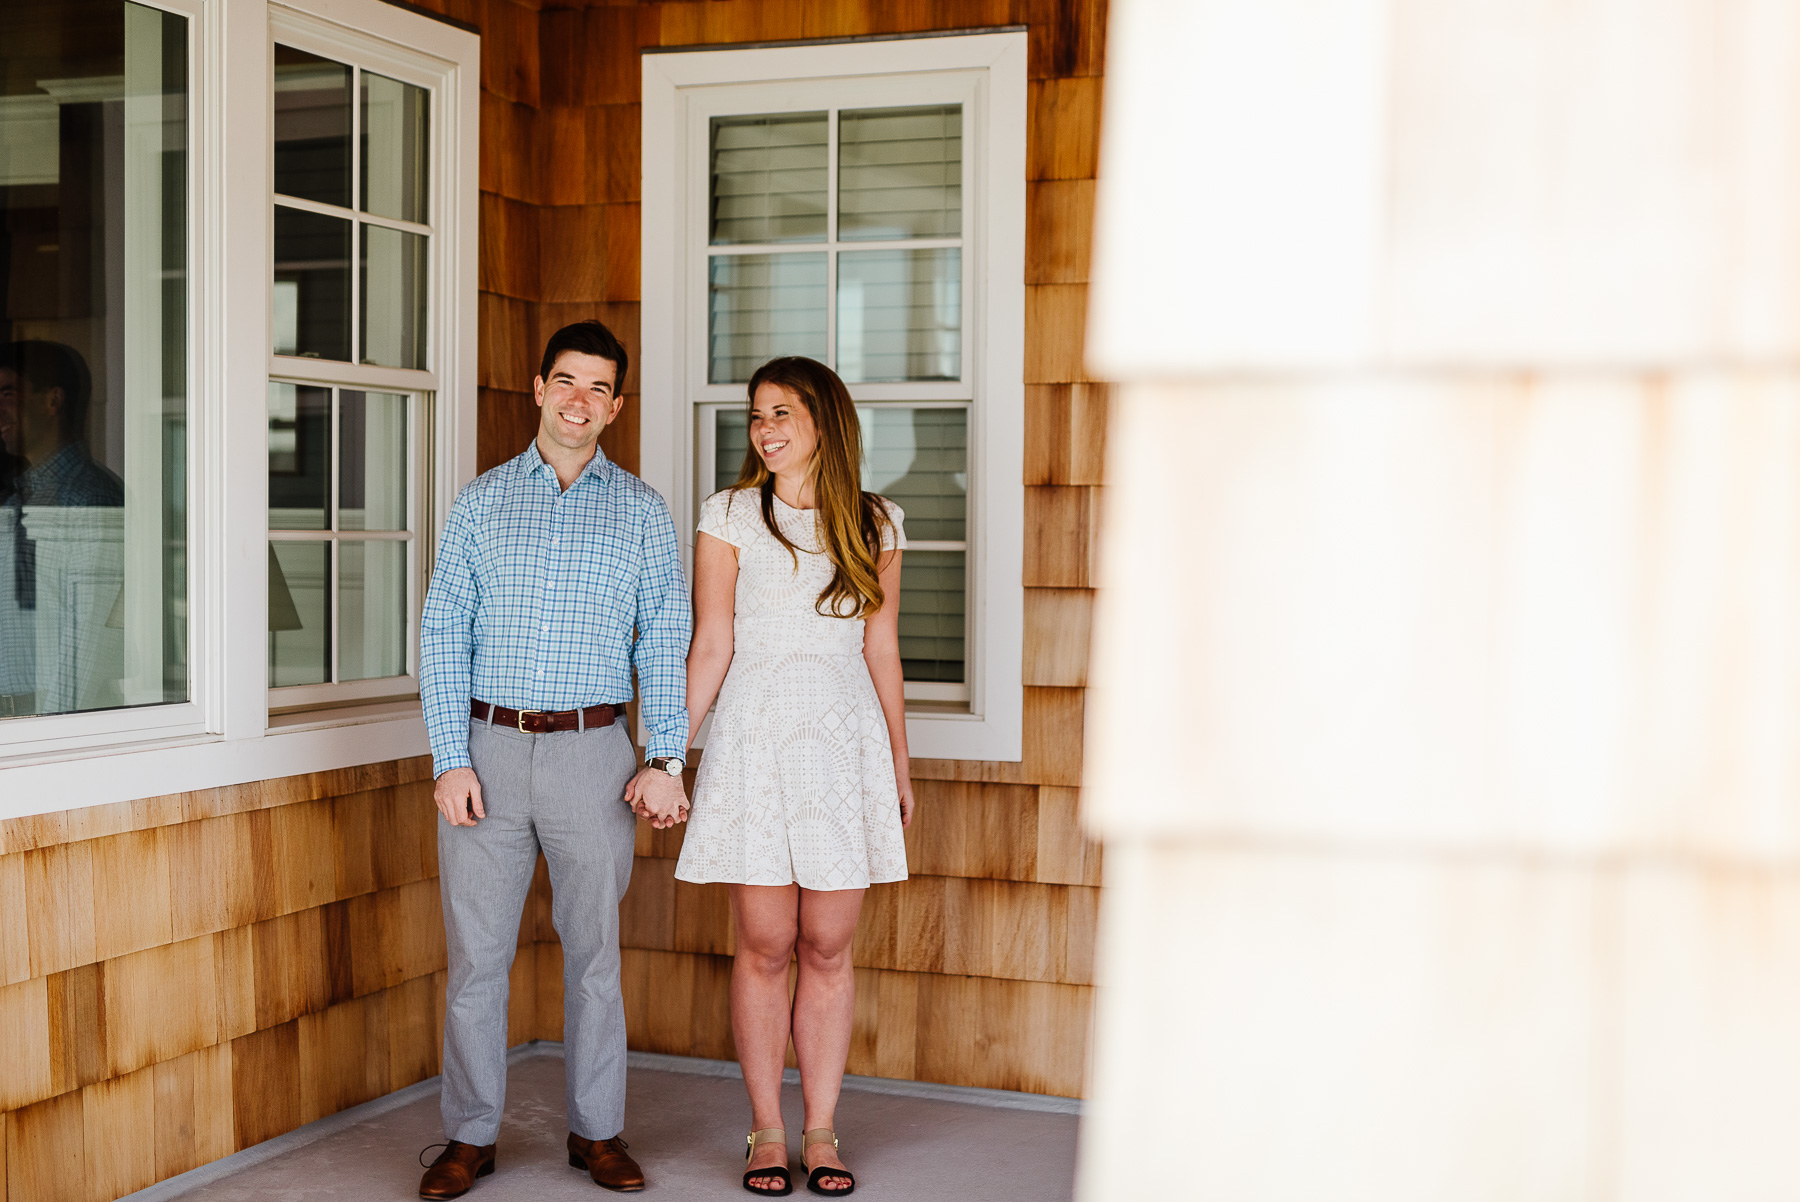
pixel 819 1155
pixel 768 1152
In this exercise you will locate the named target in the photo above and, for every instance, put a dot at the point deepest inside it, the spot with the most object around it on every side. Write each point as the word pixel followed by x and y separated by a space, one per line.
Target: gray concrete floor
pixel 687 1130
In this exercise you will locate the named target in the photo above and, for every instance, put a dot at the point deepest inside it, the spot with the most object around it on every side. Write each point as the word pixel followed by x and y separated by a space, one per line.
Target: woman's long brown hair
pixel 850 521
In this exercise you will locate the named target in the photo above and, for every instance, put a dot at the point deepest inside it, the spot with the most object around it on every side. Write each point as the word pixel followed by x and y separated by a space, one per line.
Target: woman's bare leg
pixel 824 1006
pixel 767 918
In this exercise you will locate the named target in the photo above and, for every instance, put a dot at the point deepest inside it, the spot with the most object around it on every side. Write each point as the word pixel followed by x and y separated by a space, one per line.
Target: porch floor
pixel 685 1127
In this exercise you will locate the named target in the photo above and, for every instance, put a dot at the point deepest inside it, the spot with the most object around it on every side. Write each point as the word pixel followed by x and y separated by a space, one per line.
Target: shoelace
pixel 427 1148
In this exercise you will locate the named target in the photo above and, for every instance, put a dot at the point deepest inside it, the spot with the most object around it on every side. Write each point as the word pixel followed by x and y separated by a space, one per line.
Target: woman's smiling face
pixel 782 430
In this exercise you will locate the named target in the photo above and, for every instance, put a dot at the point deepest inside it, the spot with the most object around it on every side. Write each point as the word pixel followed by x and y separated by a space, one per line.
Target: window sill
pixel 317 741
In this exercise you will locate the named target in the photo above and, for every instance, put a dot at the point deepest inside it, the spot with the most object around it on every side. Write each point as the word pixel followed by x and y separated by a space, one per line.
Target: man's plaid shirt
pixel 534 597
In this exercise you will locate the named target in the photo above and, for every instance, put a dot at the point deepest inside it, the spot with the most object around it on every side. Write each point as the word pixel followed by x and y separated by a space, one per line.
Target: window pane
pixel 312 127
pixel 931 615
pixel 393 297
pixel 768 178
pixel 919 459
pixel 299 456
pixel 372 457
pixel 899 315
pixel 312 285
pixel 299 622
pixel 761 306
pixel 900 173
pixel 93 365
pixel 372 602
pixel 395 125
pixel 731 441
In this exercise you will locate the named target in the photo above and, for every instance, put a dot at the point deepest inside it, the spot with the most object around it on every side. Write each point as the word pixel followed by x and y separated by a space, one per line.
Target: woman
pixel 804 789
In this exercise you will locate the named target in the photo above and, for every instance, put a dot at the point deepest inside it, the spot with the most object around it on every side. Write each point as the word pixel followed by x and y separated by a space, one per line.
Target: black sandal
pixel 823 1135
pixel 769 1135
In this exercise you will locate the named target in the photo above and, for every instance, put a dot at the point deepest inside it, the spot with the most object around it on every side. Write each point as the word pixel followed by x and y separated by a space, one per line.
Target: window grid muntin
pixel 358 217
pixel 831 247
pixel 706 467
pixel 333 533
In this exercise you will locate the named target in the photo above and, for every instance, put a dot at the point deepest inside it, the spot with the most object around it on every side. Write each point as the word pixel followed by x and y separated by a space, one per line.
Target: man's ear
pixel 615 408
pixel 537 391
pixel 53 399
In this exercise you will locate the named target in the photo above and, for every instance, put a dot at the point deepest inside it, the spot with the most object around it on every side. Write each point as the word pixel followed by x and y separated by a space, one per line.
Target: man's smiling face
pixel 578 400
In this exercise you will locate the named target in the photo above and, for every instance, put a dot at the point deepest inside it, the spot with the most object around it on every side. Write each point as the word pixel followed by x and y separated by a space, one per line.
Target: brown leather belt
pixel 541 722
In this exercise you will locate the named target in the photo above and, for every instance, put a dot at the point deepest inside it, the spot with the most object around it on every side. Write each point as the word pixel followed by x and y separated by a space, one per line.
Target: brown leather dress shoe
pixel 607 1162
pixel 454 1172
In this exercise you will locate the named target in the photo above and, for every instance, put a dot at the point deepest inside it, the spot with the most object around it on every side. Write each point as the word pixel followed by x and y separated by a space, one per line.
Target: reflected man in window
pixel 45 392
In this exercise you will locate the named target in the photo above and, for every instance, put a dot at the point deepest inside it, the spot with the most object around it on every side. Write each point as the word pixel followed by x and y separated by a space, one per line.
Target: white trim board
pixel 677 84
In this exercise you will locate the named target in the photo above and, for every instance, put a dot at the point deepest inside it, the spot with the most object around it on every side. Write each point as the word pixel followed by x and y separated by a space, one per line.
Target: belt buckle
pixel 523 714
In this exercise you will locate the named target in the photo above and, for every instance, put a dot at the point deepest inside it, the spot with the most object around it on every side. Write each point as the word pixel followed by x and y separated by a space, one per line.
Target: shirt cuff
pixel 661 745
pixel 449 762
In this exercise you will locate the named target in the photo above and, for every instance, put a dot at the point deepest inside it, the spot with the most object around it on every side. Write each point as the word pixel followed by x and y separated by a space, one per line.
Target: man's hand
pixel 656 796
pixel 458 797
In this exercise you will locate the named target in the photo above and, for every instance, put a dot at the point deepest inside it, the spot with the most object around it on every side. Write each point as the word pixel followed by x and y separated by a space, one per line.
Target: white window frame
pixel 986 72
pixel 315 35
pixel 224 734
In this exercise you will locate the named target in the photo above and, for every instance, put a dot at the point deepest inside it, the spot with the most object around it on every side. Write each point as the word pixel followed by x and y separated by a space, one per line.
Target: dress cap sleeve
pixel 722 518
pixel 893 537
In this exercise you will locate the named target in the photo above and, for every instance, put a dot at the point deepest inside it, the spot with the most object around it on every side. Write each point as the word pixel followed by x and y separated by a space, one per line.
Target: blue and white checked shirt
pixel 534 597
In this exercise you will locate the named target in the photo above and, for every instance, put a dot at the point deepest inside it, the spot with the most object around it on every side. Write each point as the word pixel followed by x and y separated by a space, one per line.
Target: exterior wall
pixel 186 976
pixel 978 970
pixel 181 977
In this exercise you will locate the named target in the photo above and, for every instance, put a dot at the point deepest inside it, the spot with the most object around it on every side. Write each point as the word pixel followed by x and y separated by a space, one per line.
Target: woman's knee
pixel 767 951
pixel 823 954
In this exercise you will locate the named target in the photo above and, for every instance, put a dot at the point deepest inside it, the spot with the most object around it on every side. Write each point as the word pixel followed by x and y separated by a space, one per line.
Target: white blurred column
pixel 1445 723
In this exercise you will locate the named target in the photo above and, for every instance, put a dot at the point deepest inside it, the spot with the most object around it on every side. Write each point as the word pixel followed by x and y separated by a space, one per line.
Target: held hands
pixel 458 797
pixel 657 797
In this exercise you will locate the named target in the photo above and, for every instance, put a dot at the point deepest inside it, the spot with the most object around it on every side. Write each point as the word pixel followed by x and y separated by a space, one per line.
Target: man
pixel 546 566
pixel 45 392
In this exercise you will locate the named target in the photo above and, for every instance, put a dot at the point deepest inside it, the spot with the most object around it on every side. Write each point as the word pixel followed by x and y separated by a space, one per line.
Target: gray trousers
pixel 563 793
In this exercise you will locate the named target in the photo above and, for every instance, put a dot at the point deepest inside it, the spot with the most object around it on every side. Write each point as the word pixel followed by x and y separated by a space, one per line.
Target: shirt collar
pixel 532 462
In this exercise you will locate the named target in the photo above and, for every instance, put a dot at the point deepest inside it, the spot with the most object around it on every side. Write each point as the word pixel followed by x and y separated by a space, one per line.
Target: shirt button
pixel 544 629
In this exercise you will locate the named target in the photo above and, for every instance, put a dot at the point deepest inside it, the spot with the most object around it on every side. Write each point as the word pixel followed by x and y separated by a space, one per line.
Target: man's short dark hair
pixel 587 338
pixel 44 365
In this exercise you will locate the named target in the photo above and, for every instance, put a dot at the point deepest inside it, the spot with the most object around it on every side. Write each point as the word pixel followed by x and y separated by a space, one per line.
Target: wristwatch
pixel 668 763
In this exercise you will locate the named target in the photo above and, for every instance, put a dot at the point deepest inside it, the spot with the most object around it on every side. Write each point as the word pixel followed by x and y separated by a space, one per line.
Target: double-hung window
pixel 237 350
pixel 350 382
pixel 861 205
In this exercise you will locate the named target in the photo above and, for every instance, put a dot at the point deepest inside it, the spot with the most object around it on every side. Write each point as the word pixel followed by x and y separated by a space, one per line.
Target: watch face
pixel 673 766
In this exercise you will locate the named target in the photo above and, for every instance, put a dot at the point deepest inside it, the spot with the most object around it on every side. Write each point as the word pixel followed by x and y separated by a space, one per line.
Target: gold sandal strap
pixel 768 1135
pixel 818 1135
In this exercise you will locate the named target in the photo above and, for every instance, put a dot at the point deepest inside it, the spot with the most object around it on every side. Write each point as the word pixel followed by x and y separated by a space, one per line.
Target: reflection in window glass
pixel 932 602
pixel 919 459
pixel 312 284
pixel 299 456
pixel 393 297
pixel 900 173
pixel 761 306
pixel 372 459
pixel 372 609
pixel 93 366
pixel 312 127
pixel 899 315
pixel 395 129
pixel 768 178
pixel 299 616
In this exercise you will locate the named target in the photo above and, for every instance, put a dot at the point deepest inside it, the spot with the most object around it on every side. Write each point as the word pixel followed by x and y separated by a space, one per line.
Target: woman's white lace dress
pixel 797 780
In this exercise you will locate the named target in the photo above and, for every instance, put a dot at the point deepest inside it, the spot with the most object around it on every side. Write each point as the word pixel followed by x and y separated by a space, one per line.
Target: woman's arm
pixel 881 649
pixel 715 603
